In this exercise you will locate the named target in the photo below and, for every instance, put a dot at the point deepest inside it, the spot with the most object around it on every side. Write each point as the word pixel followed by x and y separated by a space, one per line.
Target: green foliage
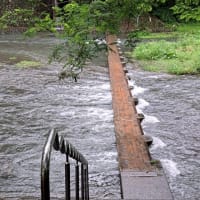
pixel 79 31
pixel 134 36
pixel 17 17
pixel 133 9
pixel 182 10
pixel 165 14
pixel 11 5
pixel 155 50
pixel 104 16
pixel 187 10
pixel 189 28
pixel 180 57
pixel 84 25
pixel 18 13
pixel 28 63
pixel 41 25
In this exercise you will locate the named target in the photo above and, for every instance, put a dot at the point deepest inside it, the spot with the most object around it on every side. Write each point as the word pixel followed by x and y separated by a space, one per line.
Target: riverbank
pixel 174 52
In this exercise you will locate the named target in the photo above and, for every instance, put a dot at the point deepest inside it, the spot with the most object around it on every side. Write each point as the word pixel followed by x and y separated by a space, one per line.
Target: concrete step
pixel 138 185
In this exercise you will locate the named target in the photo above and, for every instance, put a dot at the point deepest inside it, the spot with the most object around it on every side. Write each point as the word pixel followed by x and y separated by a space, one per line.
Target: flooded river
pixel 171 105
pixel 33 100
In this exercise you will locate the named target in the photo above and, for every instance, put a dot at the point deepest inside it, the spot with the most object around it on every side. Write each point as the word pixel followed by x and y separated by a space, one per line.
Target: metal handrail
pixel 60 144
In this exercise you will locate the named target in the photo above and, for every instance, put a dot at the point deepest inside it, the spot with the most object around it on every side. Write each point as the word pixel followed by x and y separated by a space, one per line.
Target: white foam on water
pixel 139 110
pixel 104 86
pixel 142 104
pixel 131 82
pixel 102 113
pixel 159 76
pixel 150 119
pixel 106 157
pixel 171 167
pixel 157 143
pixel 154 76
pixel 67 113
pixel 138 90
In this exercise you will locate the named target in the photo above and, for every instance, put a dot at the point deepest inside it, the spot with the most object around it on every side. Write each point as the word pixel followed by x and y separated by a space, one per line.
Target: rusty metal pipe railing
pixel 60 144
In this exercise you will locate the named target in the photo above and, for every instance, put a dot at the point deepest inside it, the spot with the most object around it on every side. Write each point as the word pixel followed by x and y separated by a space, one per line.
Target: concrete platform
pixel 145 185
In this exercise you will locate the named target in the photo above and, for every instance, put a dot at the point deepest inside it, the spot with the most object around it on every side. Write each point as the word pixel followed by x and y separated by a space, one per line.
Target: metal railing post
pixel 87 184
pixel 59 144
pixel 82 183
pixel 45 163
pixel 77 180
pixel 67 179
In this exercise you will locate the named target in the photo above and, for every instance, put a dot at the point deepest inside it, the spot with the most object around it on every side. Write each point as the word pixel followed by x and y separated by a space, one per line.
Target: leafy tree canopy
pixel 84 26
pixel 187 10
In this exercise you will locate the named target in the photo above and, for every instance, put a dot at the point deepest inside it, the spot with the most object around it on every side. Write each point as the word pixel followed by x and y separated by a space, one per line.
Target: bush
pixel 17 17
pixel 187 11
pixel 155 50
pixel 180 57
pixel 165 14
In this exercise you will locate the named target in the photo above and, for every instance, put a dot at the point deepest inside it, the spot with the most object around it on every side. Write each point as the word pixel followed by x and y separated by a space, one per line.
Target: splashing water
pixel 171 167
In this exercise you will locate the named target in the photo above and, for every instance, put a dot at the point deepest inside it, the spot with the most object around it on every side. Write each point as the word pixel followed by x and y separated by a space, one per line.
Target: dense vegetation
pixel 177 55
pixel 84 23
pixel 167 10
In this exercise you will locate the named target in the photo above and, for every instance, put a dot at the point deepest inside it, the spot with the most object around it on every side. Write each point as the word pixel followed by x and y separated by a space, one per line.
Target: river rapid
pixel 171 105
pixel 33 100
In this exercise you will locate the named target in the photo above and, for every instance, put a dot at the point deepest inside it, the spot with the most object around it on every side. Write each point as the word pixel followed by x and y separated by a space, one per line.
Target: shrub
pixel 180 57
pixel 17 17
pixel 155 50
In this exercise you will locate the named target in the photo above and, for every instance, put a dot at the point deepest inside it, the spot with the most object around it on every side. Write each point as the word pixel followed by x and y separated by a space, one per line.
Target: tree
pixel 187 10
pixel 84 26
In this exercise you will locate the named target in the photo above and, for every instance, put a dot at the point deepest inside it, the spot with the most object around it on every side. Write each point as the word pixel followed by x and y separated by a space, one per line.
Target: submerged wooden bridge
pixel 139 178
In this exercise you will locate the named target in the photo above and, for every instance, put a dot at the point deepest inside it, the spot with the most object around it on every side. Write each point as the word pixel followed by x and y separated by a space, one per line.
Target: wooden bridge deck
pixel 139 179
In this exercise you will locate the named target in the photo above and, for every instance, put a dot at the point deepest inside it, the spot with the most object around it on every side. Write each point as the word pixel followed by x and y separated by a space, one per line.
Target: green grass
pixel 28 64
pixel 176 57
pixel 160 35
pixel 171 66
pixel 180 29
pixel 155 50
pixel 188 28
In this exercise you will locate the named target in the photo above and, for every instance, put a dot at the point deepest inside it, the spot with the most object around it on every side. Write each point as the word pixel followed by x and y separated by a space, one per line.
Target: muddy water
pixel 171 105
pixel 32 101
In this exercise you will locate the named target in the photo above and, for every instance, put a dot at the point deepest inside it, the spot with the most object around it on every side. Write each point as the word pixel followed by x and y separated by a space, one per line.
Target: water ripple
pixel 31 102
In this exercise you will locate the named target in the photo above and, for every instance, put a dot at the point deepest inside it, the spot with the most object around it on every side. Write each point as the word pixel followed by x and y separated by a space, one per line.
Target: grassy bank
pixel 180 55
